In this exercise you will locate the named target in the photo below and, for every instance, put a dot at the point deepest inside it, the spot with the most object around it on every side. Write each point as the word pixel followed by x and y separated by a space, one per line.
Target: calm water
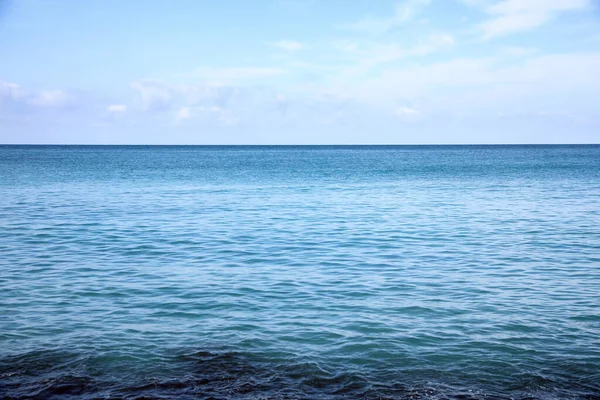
pixel 300 272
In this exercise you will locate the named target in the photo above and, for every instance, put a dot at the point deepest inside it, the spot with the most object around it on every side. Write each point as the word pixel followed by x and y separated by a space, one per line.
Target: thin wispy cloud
pixel 235 74
pixel 288 45
pixel 514 16
pixel 367 55
pixel 403 12
pixel 116 108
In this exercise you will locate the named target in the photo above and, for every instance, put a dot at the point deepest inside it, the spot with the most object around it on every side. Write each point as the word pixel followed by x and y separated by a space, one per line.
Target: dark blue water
pixel 460 272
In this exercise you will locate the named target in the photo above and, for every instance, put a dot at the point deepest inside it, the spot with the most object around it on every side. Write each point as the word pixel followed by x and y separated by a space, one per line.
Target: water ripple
pixel 448 273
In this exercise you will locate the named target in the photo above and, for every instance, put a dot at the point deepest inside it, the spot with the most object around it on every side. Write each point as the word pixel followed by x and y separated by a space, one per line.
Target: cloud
pixel 10 90
pixel 183 113
pixel 518 51
pixel 206 103
pixel 407 10
pixel 407 111
pixel 52 99
pixel 433 43
pixel 153 95
pixel 513 16
pixel 288 45
pixel 235 74
pixel 366 55
pixel 12 97
pixel 204 114
pixel 219 106
pixel 15 98
pixel 485 86
pixel 408 114
pixel 404 11
pixel 116 108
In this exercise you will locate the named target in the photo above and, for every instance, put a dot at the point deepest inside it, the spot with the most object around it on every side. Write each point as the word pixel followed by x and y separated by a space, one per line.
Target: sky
pixel 299 71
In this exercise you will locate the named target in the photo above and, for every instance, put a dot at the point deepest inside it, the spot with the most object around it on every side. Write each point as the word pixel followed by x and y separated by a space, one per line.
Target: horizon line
pixel 299 145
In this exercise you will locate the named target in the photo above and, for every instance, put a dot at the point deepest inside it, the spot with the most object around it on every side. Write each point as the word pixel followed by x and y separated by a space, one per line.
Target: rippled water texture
pixel 300 272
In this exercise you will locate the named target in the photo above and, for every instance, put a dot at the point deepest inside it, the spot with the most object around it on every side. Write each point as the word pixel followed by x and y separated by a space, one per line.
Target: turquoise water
pixel 300 272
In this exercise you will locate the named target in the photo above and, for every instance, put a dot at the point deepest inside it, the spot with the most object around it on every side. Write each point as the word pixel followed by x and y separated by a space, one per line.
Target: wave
pixel 229 375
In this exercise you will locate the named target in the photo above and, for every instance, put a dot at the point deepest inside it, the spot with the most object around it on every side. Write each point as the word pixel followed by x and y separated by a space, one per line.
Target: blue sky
pixel 299 71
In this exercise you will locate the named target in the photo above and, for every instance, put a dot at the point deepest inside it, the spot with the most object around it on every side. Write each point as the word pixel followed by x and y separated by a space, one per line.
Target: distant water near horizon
pixel 300 272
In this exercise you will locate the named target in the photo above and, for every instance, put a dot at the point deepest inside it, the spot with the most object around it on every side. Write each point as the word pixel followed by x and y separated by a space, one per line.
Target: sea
pixel 300 272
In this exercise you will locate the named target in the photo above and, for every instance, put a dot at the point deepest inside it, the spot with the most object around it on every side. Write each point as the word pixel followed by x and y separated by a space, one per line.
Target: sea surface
pixel 367 272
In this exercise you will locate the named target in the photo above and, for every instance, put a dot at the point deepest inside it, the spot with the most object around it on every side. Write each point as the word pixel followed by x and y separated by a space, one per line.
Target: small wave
pixel 229 375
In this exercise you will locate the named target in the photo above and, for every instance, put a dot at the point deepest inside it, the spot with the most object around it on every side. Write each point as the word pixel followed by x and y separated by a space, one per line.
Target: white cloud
pixel 404 11
pixel 434 42
pixel 407 111
pixel 10 91
pixel 183 113
pixel 159 96
pixel 51 98
pixel 507 24
pixel 153 95
pixel 372 25
pixel 14 97
pixel 235 74
pixel 190 112
pixel 116 108
pixel 408 114
pixel 408 9
pixel 566 82
pixel 365 56
pixel 288 45
pixel 517 51
pixel 537 6
pixel 204 103
pixel 512 16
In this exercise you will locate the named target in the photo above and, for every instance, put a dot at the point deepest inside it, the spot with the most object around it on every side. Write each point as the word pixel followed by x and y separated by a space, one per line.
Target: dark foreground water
pixel 300 272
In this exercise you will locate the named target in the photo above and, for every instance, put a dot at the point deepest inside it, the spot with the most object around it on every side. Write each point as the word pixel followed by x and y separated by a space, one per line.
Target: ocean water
pixel 376 272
